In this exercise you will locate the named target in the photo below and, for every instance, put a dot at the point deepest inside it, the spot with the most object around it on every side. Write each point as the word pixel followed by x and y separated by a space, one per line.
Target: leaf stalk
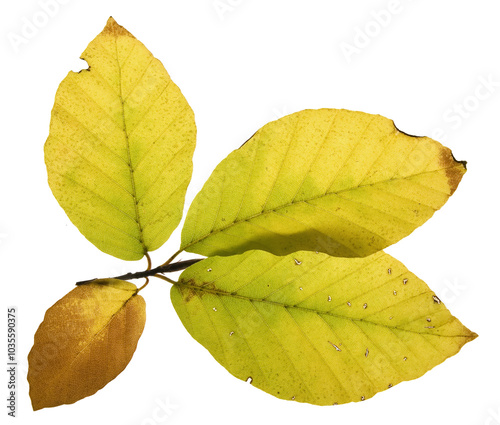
pixel 166 268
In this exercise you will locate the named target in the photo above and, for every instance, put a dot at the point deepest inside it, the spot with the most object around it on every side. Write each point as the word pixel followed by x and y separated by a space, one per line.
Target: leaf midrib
pixel 235 222
pixel 129 156
pixel 219 293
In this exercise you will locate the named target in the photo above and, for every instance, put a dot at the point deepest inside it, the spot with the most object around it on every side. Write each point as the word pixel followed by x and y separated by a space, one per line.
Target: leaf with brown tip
pixel 119 152
pixel 340 182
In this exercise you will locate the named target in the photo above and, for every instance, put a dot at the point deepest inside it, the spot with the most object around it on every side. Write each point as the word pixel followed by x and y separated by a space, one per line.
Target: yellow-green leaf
pixel 85 340
pixel 318 329
pixel 341 182
pixel 119 153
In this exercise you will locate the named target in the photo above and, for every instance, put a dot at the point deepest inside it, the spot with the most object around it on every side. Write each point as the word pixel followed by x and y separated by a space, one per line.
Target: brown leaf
pixel 86 339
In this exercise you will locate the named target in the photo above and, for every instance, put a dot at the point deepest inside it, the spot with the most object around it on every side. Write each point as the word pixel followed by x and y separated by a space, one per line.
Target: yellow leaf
pixel 119 153
pixel 85 340
pixel 318 329
pixel 341 182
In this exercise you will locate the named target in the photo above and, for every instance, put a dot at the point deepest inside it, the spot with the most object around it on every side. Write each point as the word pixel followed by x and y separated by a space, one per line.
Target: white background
pixel 240 67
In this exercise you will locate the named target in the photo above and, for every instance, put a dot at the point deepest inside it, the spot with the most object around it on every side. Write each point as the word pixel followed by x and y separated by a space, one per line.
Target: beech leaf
pixel 313 328
pixel 85 340
pixel 345 183
pixel 119 152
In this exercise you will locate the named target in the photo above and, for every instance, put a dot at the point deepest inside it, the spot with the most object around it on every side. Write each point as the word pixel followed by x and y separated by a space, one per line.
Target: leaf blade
pixel 119 152
pixel 86 339
pixel 298 325
pixel 340 182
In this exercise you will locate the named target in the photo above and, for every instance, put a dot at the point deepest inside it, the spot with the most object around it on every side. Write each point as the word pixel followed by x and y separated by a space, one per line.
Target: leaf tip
pixel 463 163
pixel 35 404
pixel 36 396
pixel 35 407
pixel 454 169
pixel 113 28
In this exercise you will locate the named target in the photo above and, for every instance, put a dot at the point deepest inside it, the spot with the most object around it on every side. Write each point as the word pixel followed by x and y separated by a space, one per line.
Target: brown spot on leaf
pixel 112 28
pixel 472 336
pixel 187 292
pixel 454 169
pixel 189 289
